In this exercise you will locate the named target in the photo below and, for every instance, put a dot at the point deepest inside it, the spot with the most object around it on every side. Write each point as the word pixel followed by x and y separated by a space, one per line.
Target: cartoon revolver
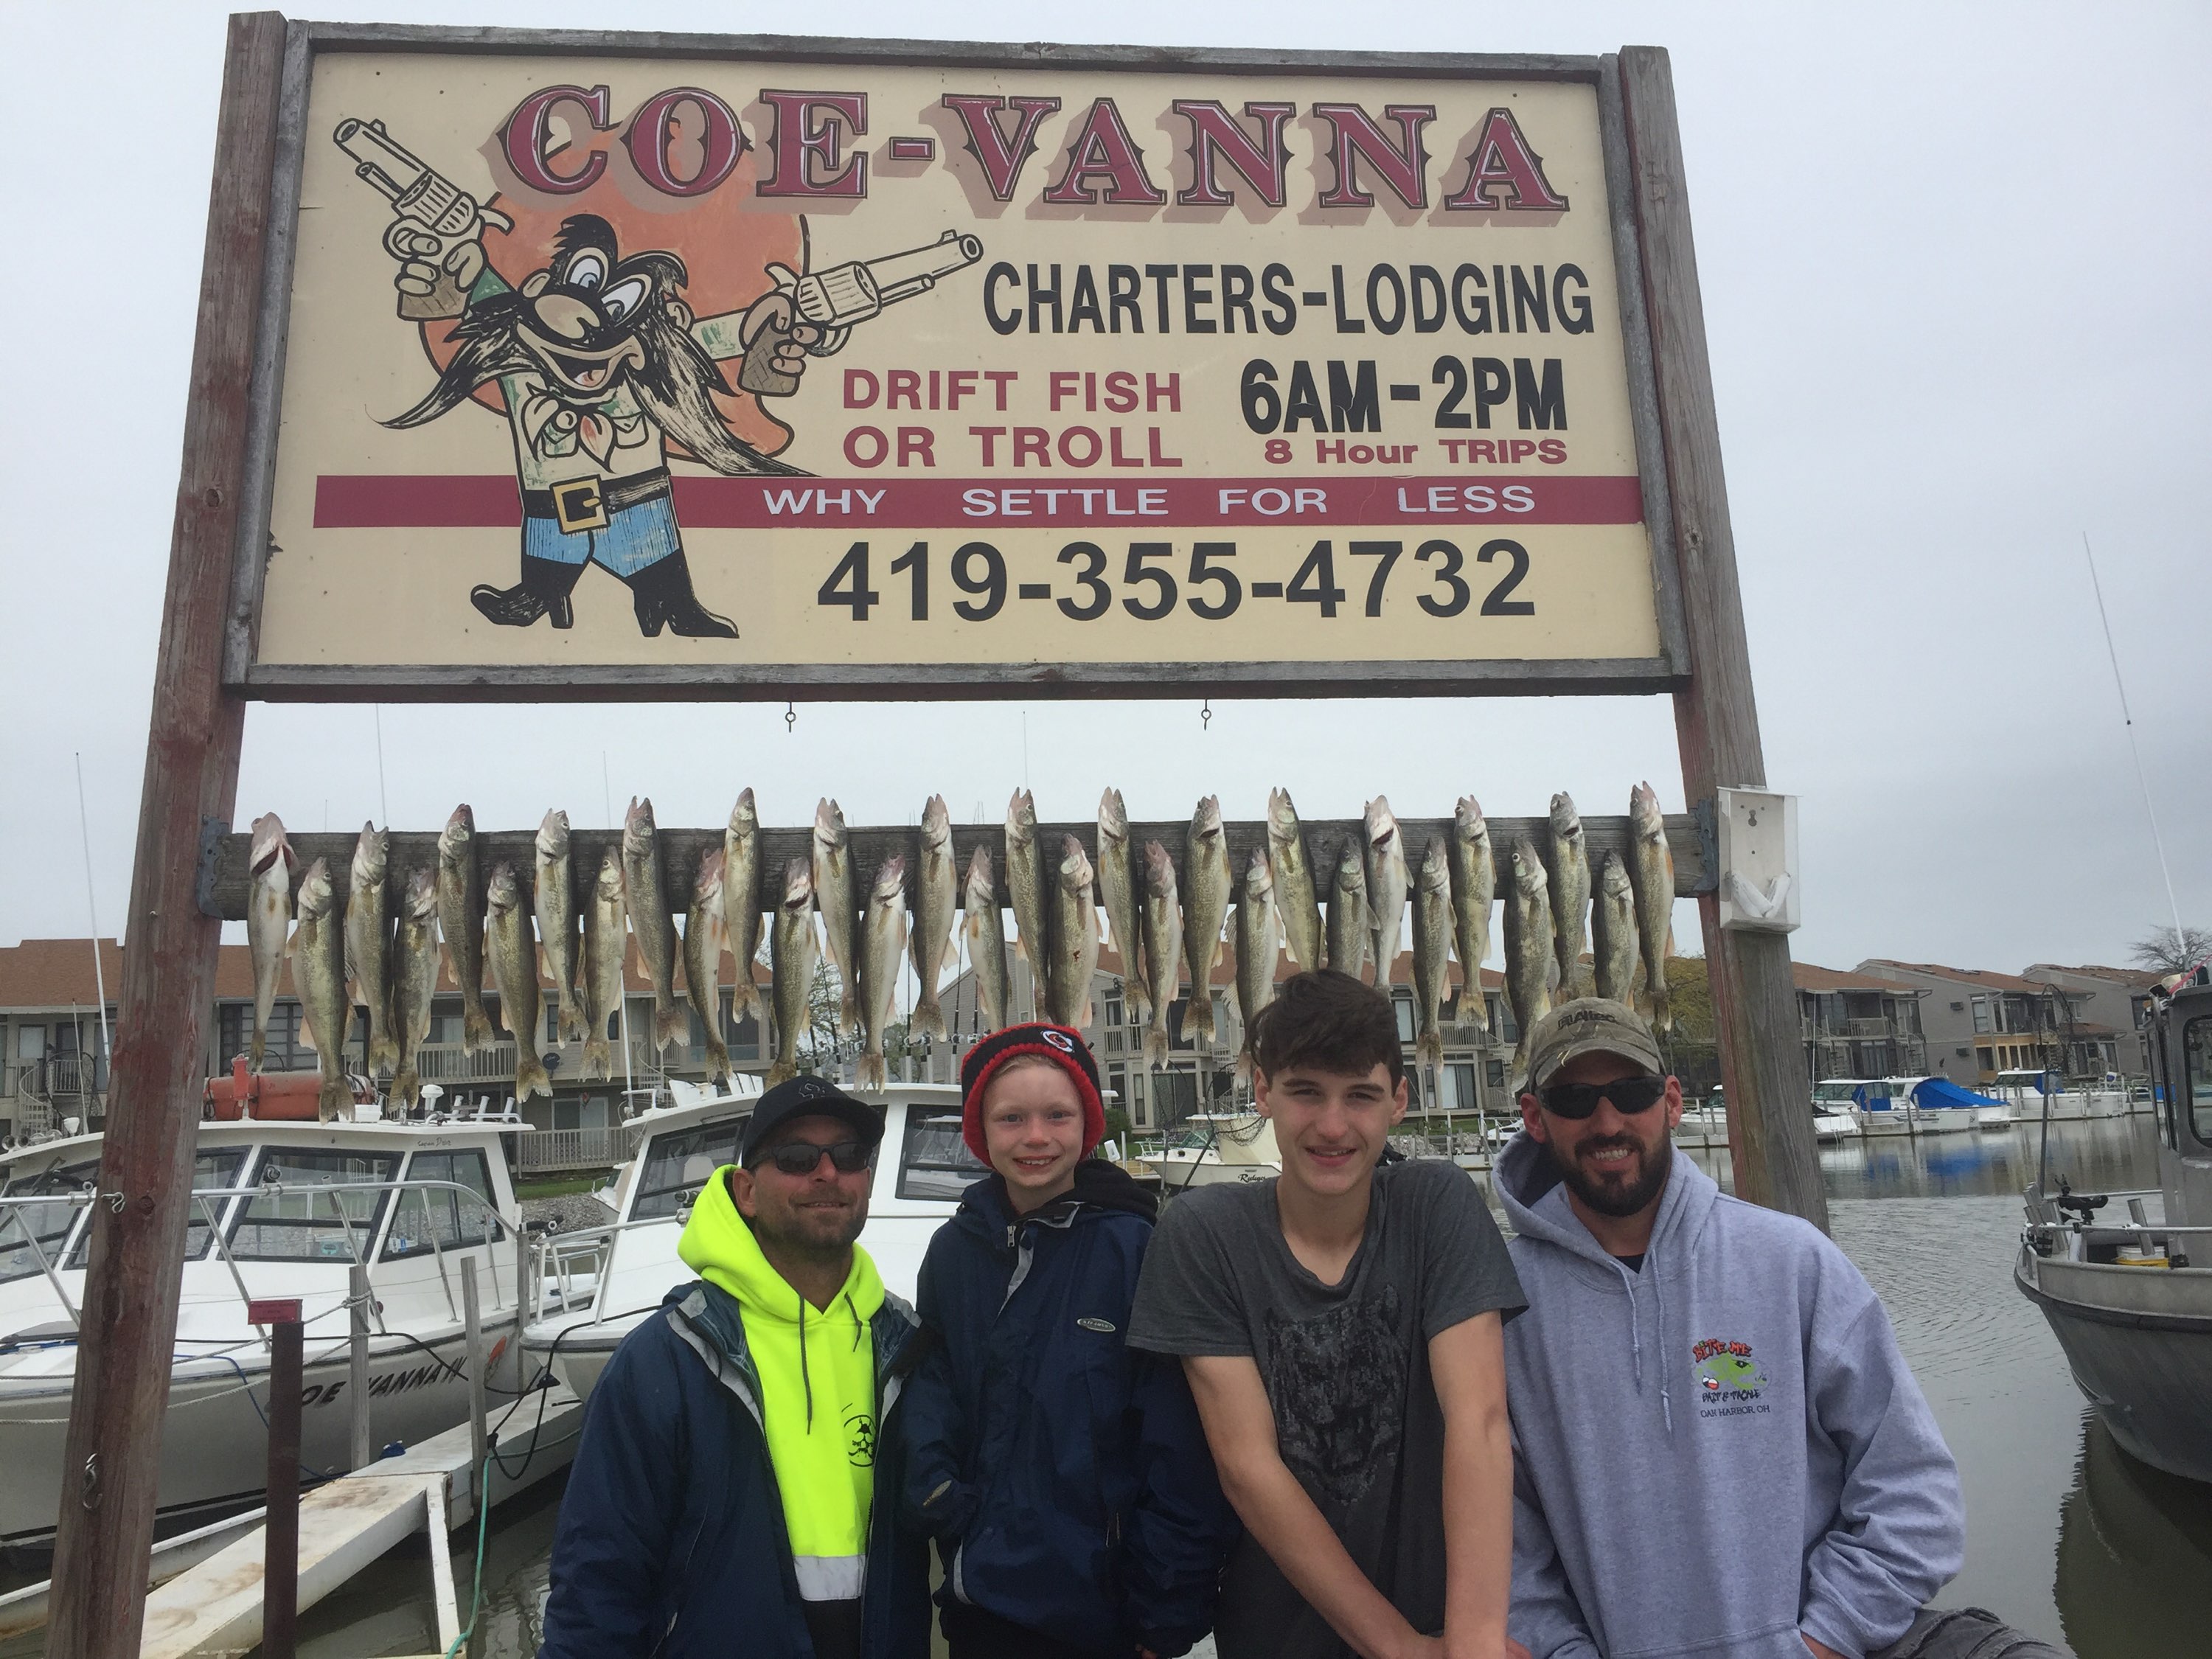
pixel 833 300
pixel 436 223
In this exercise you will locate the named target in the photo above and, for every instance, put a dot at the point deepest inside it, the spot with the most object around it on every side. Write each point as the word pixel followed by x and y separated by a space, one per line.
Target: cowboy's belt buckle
pixel 579 505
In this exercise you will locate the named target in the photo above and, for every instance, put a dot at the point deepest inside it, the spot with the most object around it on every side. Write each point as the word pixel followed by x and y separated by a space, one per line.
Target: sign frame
pixel 305 41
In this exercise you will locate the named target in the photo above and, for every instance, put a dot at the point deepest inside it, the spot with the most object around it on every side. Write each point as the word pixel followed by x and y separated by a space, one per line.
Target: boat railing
pixel 2050 1228
pixel 208 1200
pixel 563 1258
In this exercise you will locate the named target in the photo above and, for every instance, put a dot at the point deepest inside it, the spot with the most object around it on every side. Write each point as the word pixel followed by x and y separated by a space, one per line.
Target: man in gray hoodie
pixel 1719 1451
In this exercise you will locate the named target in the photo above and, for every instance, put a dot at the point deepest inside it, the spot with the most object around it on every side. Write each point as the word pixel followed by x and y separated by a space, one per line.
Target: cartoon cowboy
pixel 599 362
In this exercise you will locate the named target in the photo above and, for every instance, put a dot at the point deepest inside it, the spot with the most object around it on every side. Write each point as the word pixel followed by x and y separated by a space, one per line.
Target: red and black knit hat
pixel 1065 1048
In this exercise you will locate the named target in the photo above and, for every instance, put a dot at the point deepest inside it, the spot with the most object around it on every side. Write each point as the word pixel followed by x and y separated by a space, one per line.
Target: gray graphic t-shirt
pixel 1346 1370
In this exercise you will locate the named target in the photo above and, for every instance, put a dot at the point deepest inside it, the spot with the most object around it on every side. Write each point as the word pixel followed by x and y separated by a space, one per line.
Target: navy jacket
pixel 1065 1475
pixel 672 1540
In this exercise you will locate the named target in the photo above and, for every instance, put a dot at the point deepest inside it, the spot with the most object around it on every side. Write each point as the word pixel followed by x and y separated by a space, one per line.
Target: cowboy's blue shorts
pixel 635 536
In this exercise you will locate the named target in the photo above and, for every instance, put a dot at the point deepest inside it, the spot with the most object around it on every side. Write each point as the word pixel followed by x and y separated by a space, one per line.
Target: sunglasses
pixel 803 1157
pixel 1629 1095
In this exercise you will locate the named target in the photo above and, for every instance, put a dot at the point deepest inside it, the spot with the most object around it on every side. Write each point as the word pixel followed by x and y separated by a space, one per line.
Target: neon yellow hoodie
pixel 817 1374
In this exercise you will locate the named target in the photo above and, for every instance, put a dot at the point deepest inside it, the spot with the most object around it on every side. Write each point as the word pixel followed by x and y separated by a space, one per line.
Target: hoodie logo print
pixel 860 1439
pixel 1726 1369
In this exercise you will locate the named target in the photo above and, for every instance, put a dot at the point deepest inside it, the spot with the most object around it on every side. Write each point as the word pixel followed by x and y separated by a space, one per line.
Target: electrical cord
pixel 483 1516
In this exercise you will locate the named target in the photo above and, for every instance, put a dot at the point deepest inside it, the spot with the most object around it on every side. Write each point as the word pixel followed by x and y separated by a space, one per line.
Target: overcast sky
pixel 1954 283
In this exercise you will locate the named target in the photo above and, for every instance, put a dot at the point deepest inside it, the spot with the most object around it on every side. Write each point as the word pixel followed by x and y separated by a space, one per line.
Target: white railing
pixel 571 1149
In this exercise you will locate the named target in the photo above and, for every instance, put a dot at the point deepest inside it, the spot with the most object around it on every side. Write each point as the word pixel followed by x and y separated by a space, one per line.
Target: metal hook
pixel 790 719
pixel 1205 715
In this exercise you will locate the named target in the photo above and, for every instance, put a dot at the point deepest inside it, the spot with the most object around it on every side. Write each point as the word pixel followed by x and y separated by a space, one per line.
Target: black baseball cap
pixel 807 1097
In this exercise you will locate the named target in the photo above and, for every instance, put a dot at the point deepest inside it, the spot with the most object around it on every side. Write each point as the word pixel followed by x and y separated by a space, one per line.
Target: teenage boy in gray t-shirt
pixel 1341 1326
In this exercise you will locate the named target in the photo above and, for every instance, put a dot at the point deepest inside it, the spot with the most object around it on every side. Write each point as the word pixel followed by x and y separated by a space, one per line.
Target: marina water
pixel 2067 1536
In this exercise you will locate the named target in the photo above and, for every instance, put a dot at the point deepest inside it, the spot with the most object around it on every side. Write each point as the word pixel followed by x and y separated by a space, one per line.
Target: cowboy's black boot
pixel 663 596
pixel 544 589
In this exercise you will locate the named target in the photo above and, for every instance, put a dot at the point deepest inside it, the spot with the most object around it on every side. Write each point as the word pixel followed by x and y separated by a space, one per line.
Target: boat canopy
pixel 1934 1092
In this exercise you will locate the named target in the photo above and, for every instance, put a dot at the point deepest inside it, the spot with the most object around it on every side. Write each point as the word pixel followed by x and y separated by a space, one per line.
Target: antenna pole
pixel 92 913
pixel 2157 841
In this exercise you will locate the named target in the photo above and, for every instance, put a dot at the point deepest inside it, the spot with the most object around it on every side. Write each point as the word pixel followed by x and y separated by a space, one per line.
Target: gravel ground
pixel 568 1211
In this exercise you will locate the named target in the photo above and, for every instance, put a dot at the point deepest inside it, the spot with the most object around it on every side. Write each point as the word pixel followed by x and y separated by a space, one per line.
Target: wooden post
pixel 129 1319
pixel 364 1443
pixel 280 1529
pixel 1771 1141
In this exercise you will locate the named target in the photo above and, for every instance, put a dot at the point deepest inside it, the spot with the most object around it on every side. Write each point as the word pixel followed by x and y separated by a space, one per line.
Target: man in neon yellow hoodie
pixel 725 1488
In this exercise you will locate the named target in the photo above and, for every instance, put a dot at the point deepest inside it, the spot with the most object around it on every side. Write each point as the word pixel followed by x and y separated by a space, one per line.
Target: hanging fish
pixel 832 877
pixel 1566 866
pixel 1163 948
pixel 1025 887
pixel 268 923
pixel 1613 929
pixel 883 947
pixel 1297 901
pixel 650 922
pixel 791 968
pixel 461 922
pixel 1206 908
pixel 741 903
pixel 515 971
pixel 1075 957
pixel 318 980
pixel 606 943
pixel 553 896
pixel 1259 938
pixel 938 886
pixel 1432 931
pixel 1473 889
pixel 1651 876
pixel 414 965
pixel 1531 967
pixel 1348 932
pixel 1388 882
pixel 704 937
pixel 368 937
pixel 1118 894
pixel 983 928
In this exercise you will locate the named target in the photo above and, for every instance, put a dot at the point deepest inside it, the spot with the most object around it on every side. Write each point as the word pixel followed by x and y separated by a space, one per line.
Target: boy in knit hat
pixel 1064 1477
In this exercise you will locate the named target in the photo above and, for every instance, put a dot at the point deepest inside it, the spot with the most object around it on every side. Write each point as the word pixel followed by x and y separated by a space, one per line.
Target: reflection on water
pixel 2067 1536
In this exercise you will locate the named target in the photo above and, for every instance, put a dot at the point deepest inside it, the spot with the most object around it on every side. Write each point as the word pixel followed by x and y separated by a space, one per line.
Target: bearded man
pixel 1718 1450
pixel 736 1490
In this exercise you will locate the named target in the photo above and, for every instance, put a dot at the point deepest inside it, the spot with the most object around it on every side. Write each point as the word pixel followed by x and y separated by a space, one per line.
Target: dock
pixel 207 1598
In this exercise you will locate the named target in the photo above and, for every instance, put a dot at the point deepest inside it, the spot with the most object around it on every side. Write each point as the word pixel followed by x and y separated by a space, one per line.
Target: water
pixel 2067 1536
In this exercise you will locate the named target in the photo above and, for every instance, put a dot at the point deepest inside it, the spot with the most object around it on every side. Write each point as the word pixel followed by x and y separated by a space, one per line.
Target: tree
pixel 2169 951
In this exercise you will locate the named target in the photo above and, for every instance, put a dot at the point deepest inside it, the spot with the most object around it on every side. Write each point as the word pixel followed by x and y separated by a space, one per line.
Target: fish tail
pixel 746 999
pixel 335 1103
pixel 572 1026
pixel 1198 1023
pixel 1140 998
pixel 1663 1014
pixel 668 1026
pixel 1155 1048
pixel 848 1011
pixel 406 1086
pixel 383 1054
pixel 929 1017
pixel 1243 1065
pixel 1428 1049
pixel 869 1072
pixel 1468 1009
pixel 476 1030
pixel 782 1071
pixel 598 1058
pixel 255 1051
pixel 530 1078
pixel 717 1058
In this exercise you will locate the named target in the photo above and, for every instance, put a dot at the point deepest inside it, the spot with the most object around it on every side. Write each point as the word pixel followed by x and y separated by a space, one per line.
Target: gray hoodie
pixel 1717 1453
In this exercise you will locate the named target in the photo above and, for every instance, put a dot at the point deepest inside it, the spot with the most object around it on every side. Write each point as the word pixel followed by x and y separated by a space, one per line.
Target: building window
pixel 1401 1005
pixel 1493 1071
pixel 1114 1011
pixel 1981 1014
pixel 1984 1058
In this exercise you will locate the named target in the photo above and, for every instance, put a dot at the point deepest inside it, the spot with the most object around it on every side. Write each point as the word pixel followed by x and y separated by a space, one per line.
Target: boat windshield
pixel 49 1223
pixel 439 1215
pixel 678 1164
pixel 300 1224
pixel 215 1169
pixel 935 1162
pixel 1832 1093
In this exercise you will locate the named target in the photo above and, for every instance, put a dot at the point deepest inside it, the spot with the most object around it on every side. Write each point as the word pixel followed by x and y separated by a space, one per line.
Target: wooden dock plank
pixel 344 1526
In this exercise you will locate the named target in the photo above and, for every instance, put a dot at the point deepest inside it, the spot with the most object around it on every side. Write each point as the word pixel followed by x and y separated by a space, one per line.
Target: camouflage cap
pixel 1590 1025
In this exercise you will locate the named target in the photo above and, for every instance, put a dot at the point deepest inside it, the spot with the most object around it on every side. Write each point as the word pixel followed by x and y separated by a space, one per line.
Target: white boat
pixel 1934 1111
pixel 2030 1093
pixel 600 1282
pixel 1833 1118
pixel 1216 1147
pixel 283 1209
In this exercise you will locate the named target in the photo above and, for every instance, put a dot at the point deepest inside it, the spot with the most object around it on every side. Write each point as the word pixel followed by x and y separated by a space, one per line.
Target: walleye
pixel 1297 901
pixel 938 889
pixel 741 903
pixel 985 932
pixel 1566 866
pixel 790 967
pixel 414 985
pixel 268 921
pixel 1163 947
pixel 1432 935
pixel 1074 939
pixel 318 980
pixel 1473 886
pixel 515 971
pixel 704 935
pixel 882 945
pixel 554 897
pixel 1117 887
pixel 1531 965
pixel 1651 878
pixel 606 943
pixel 650 921
pixel 1613 929
pixel 1025 887
pixel 1388 880
pixel 460 921
pixel 1205 908
pixel 1259 937
pixel 368 937
pixel 1347 912
pixel 833 892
